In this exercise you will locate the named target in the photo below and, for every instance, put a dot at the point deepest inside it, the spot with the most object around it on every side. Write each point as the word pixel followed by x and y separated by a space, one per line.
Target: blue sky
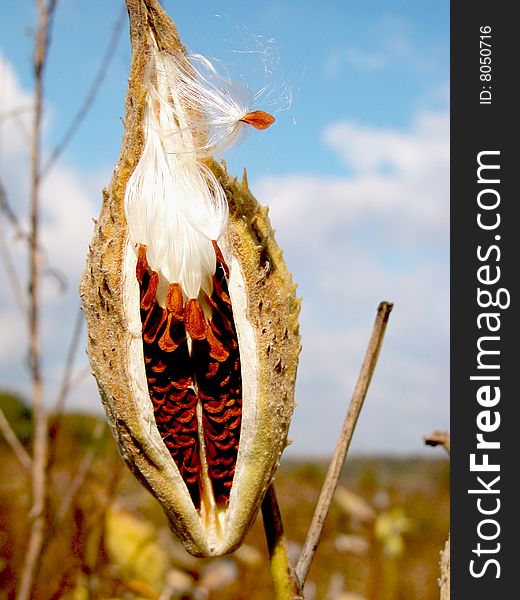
pixel 355 172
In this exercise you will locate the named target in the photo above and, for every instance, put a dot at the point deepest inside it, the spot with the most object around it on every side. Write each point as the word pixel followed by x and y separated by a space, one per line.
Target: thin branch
pixel 11 216
pixel 354 409
pixel 285 583
pixel 91 95
pixel 15 112
pixel 82 374
pixel 40 439
pixel 12 439
pixel 22 128
pixel 66 380
pixel 81 475
pixel 103 501
pixel 45 268
pixel 16 116
pixel 10 269
pixel 59 277
pixel 65 387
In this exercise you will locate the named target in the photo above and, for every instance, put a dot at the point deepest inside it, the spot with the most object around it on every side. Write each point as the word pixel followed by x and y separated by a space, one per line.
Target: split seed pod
pixel 192 314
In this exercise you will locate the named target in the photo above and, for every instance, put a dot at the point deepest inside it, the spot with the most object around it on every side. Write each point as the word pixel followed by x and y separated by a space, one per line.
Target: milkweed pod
pixel 192 315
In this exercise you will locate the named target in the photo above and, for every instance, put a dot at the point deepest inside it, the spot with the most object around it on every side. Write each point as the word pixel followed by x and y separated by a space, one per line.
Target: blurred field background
pixel 109 539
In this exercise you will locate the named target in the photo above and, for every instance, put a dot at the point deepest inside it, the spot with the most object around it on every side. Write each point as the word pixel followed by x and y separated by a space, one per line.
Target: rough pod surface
pixel 195 366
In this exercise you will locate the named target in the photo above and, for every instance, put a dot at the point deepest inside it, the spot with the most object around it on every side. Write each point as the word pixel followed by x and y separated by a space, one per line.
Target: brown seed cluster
pixel 182 375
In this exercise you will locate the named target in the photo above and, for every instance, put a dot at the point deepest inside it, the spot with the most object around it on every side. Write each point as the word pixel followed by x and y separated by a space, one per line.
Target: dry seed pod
pixel 196 368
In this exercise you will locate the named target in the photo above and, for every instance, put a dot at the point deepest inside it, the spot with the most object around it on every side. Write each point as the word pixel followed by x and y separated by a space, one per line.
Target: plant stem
pixel 331 480
pixel 285 583
pixel 40 439
pixel 91 95
pixel 7 259
pixel 12 439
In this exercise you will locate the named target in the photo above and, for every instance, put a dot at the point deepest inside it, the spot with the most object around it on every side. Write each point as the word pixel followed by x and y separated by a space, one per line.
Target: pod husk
pixel 272 309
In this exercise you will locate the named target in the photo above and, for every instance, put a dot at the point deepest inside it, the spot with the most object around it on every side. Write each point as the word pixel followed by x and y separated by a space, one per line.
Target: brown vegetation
pixel 381 540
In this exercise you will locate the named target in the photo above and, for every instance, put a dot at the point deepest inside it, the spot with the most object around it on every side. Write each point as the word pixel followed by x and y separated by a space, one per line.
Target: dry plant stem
pixel 45 269
pixel 79 377
pixel 331 480
pixel 81 475
pixel 65 387
pixel 10 215
pixel 11 114
pixel 40 439
pixel 285 583
pixel 14 443
pixel 91 95
pixel 5 253
pixel 66 381
pixel 12 275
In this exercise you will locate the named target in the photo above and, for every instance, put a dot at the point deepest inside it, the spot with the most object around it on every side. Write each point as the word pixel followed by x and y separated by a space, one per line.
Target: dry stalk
pixel 81 475
pixel 285 583
pixel 66 380
pixel 38 465
pixel 14 443
pixel 65 387
pixel 40 440
pixel 5 254
pixel 289 581
pixel 91 94
pixel 356 404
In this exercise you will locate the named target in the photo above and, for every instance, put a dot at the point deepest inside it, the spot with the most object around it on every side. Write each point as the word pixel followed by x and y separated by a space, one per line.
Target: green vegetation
pixel 18 414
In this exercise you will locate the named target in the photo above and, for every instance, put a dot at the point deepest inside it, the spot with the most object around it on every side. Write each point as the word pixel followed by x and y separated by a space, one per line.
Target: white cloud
pixel 69 208
pixel 389 41
pixel 15 110
pixel 379 233
pixel 355 58
pixel 422 150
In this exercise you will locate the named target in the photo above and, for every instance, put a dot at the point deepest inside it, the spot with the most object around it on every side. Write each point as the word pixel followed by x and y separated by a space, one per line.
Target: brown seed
pixel 174 300
pixel 217 350
pixel 153 323
pixel 149 296
pixel 142 264
pixel 194 320
pixel 258 119
pixel 173 334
